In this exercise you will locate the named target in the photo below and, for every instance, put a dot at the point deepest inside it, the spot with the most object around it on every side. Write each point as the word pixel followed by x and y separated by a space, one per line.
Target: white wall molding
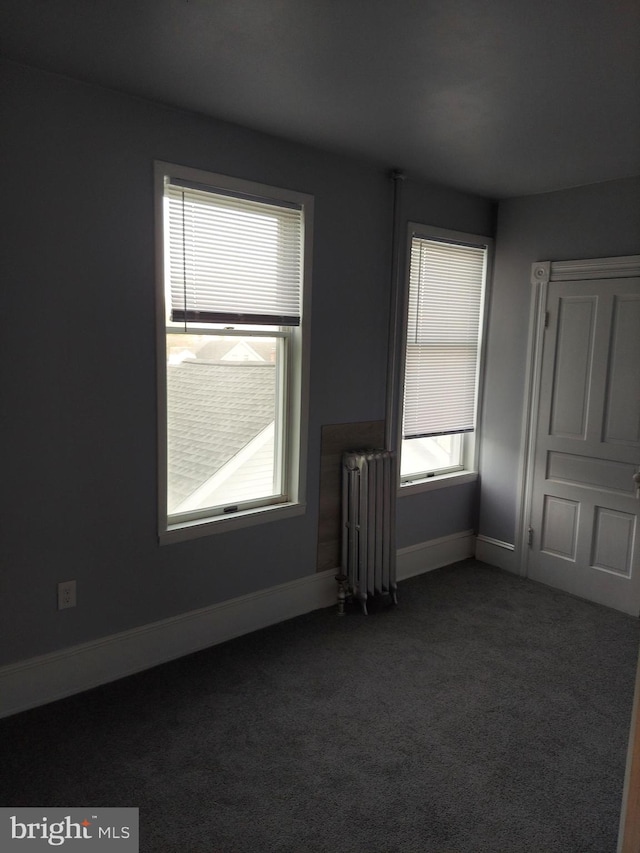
pixel 53 676
pixel 43 679
pixel 590 268
pixel 497 553
pixel 489 540
pixel 427 556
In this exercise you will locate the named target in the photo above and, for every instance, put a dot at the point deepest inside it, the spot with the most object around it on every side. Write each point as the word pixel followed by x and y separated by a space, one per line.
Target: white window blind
pixel 444 316
pixel 233 259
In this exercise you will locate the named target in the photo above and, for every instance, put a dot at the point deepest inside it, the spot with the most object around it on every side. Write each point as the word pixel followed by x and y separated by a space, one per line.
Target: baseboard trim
pixel 46 678
pixel 427 556
pixel 497 553
pixel 39 680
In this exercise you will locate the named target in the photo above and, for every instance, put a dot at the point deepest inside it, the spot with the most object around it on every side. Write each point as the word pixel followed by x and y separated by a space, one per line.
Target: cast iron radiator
pixel 368 533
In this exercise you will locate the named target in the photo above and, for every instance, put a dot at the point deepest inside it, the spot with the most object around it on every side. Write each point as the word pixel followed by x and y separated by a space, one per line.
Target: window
pixel 234 261
pixel 444 322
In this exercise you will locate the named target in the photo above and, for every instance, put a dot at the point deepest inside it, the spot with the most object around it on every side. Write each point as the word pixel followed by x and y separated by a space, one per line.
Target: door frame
pixel 542 273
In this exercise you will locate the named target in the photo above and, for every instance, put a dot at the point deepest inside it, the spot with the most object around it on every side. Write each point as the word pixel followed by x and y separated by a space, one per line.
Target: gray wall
pixel 602 220
pixel 78 370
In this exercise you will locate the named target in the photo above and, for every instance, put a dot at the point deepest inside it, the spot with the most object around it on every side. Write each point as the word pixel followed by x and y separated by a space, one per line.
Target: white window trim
pixel 437 481
pixel 298 374
pixel 471 444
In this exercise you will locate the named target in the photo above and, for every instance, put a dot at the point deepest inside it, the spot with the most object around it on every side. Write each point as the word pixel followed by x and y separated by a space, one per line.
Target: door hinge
pixel 546 319
pixel 530 537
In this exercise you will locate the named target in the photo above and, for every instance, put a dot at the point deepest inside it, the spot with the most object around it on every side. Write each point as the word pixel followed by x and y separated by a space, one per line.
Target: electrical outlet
pixel 66 594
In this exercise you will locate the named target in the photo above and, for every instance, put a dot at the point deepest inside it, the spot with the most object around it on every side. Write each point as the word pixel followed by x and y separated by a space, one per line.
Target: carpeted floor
pixel 484 713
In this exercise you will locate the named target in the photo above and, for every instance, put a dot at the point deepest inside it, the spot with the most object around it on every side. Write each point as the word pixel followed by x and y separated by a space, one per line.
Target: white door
pixel 584 503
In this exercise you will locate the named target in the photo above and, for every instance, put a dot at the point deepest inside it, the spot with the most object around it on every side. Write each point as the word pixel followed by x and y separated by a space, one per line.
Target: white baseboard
pixel 43 679
pixel 497 553
pixel 426 556
pixel 39 680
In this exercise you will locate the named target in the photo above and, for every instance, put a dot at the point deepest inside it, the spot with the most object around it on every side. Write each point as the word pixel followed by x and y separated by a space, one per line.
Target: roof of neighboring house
pixel 214 409
pixel 225 349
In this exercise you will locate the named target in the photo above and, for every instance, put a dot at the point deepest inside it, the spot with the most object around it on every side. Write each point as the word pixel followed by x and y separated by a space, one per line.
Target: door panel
pixel 559 527
pixel 613 535
pixel 590 472
pixel 622 411
pixel 584 515
pixel 576 318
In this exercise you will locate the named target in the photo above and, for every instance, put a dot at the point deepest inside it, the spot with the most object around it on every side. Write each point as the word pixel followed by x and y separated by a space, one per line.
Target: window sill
pixel 223 523
pixel 428 484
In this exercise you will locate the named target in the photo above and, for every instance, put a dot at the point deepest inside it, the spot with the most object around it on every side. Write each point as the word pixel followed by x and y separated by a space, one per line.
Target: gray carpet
pixel 484 713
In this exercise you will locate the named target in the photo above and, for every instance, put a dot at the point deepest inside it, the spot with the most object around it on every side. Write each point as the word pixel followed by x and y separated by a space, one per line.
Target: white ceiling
pixel 499 97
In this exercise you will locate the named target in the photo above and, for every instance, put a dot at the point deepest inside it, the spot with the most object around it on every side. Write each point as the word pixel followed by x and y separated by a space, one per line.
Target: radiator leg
pixel 342 592
pixel 363 602
pixel 394 594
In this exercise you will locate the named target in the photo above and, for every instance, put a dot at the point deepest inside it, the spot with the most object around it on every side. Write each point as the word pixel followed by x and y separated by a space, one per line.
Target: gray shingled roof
pixel 214 410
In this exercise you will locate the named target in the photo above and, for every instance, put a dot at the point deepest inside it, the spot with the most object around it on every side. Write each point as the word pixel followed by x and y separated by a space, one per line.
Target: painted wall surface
pixel 601 220
pixel 78 366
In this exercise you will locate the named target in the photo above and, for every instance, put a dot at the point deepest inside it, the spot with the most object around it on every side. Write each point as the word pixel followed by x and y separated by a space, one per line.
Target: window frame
pixel 282 335
pixel 296 380
pixel 468 472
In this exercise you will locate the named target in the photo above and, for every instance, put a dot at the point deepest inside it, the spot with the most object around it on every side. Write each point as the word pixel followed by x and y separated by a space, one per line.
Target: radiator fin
pixel 368 513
